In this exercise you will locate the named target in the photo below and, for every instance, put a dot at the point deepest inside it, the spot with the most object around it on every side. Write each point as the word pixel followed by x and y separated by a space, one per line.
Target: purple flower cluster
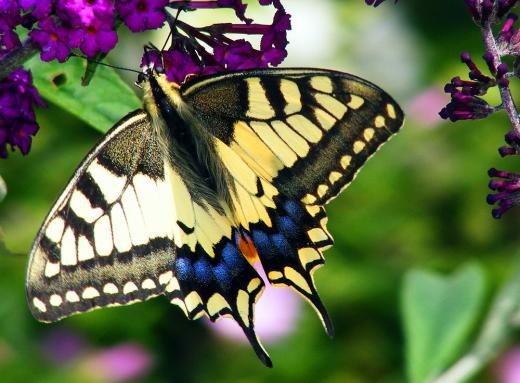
pixel 485 11
pixel 191 56
pixel 466 103
pixel 17 119
pixel 466 95
pixel 507 187
pixel 60 28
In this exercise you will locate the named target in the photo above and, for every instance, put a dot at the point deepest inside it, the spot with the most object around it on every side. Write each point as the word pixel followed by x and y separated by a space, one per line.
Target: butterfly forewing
pixel 106 240
pixel 309 131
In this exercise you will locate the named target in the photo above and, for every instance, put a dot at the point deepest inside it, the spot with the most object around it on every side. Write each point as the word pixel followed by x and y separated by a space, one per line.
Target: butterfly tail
pixel 291 249
pixel 226 285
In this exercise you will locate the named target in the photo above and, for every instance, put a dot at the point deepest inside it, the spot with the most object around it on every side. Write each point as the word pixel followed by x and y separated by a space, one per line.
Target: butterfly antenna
pixel 167 39
pixel 172 26
pixel 105 64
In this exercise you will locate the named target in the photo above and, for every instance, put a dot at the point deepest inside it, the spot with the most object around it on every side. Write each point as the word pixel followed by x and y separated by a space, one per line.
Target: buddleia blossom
pixel 139 15
pixel 507 188
pixel 17 120
pixel 485 11
pixel 61 28
pixel 211 49
pixel 467 96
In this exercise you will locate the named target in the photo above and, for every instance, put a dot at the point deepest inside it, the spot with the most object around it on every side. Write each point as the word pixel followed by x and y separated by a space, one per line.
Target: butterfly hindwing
pixel 211 276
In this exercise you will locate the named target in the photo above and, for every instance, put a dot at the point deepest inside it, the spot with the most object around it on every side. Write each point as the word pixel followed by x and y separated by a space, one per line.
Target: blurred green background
pixel 420 203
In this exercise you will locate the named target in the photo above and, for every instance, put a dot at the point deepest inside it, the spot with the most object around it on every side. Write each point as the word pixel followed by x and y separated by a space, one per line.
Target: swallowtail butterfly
pixel 182 197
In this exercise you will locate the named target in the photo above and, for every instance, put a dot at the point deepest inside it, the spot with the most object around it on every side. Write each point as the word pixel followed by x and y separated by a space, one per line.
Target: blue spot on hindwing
pixel 287 227
pixel 262 243
pixel 281 244
pixel 203 272
pixel 183 269
pixel 294 209
pixel 233 258
pixel 222 275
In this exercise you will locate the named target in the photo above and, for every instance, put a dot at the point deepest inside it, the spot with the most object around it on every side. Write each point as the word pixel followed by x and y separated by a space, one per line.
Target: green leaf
pixel 104 102
pixel 439 313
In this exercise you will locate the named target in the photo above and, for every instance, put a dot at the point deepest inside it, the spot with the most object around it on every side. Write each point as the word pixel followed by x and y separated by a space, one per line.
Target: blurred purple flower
pixel 425 106
pixel 127 361
pixel 62 346
pixel 276 314
pixel 17 120
pixel 508 367
pixel 140 15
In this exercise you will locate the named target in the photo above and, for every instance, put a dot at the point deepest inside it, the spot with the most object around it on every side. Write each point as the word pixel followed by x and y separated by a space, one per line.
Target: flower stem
pixel 505 92
pixel 17 57
pixel 496 331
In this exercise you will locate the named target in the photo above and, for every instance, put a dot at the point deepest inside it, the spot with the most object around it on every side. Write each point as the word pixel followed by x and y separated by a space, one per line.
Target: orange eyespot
pixel 248 249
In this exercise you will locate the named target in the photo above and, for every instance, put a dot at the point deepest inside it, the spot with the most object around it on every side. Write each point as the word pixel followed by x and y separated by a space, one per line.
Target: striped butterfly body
pixel 184 197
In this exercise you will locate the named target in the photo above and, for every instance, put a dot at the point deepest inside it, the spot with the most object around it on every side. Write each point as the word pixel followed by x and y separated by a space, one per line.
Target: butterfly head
pixel 160 94
pixel 148 72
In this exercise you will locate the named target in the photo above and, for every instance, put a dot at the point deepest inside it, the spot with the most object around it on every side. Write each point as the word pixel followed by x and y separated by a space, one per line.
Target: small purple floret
pixel 94 38
pixel 141 15
pixel 53 40
pixel 82 13
pixel 508 191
